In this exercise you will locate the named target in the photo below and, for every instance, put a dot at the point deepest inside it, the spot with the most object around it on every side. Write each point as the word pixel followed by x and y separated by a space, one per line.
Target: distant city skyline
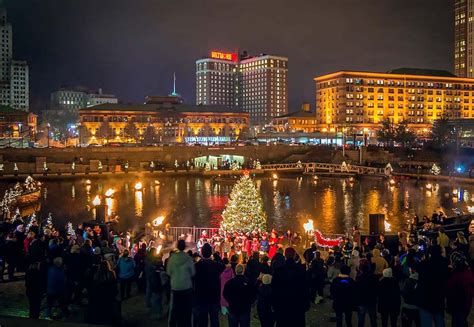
pixel 132 49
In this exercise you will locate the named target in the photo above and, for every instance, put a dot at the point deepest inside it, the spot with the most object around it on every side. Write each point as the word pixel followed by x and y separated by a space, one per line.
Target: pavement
pixel 14 312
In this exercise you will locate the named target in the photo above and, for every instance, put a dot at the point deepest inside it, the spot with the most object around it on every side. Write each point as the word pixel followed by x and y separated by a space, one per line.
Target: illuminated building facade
pixel 361 100
pixel 162 123
pixel 303 121
pixel 256 84
pixel 16 126
pixel 463 42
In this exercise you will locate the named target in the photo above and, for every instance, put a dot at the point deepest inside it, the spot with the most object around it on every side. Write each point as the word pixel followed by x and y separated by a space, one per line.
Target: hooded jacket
pixel 181 270
pixel 379 262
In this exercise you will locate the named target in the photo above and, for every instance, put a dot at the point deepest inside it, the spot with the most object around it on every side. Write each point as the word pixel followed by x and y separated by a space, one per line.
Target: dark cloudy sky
pixel 132 47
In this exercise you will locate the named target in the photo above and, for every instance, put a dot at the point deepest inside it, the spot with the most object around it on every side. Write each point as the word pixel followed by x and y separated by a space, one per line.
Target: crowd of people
pixel 241 275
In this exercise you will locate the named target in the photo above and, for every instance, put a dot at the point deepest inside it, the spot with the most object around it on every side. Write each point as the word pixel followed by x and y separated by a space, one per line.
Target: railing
pixel 190 234
pixel 313 167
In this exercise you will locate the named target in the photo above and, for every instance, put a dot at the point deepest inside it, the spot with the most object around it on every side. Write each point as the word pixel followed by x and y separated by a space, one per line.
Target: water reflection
pixel 334 204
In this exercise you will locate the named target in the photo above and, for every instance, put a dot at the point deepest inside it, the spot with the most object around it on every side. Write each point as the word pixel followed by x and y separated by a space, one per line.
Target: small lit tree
pixel 131 131
pixel 244 210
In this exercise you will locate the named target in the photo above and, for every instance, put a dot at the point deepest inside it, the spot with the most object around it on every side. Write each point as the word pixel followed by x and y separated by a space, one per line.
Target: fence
pixel 191 234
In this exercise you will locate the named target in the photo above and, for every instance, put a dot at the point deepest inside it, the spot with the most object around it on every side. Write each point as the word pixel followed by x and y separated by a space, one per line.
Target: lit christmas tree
pixel 244 210
pixel 31 221
pixel 49 222
pixel 435 170
pixel 70 230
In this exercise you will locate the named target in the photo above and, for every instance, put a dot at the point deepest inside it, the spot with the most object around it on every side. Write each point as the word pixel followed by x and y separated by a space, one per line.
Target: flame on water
pixel 138 186
pixel 109 192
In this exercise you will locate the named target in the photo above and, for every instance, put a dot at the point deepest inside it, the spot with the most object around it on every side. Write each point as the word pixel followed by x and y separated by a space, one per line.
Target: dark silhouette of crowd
pixel 408 282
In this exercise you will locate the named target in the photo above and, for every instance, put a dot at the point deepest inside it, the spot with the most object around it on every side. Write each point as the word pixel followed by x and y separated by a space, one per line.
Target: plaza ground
pixel 14 310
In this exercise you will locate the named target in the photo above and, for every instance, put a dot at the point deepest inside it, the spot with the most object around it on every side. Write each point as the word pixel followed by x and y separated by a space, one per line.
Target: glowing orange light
pixel 158 221
pixel 309 226
pixel 230 56
pixel 138 186
pixel 96 201
pixel 109 192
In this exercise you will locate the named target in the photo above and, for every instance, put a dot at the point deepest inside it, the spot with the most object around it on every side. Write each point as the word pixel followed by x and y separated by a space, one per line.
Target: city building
pixel 361 100
pixel 17 127
pixel 166 122
pixel 463 43
pixel 256 84
pixel 303 120
pixel 14 74
pixel 65 103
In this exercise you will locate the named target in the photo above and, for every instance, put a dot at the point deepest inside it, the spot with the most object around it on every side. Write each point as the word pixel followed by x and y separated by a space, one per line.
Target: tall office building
pixel 14 81
pixel 256 84
pixel 463 38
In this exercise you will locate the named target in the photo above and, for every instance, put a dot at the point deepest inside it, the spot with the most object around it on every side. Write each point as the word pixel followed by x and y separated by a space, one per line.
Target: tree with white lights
pixel 244 211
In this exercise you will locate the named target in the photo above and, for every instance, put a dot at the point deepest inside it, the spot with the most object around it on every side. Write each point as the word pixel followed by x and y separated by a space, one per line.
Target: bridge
pixel 315 167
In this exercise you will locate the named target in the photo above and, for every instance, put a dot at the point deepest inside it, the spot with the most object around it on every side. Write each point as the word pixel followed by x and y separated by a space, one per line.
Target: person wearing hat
pixel 264 302
pixel 207 288
pixel 459 290
pixel 291 298
pixel 388 298
pixel 240 294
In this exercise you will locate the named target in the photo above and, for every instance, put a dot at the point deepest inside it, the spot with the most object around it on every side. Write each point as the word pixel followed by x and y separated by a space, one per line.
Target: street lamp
pixel 48 126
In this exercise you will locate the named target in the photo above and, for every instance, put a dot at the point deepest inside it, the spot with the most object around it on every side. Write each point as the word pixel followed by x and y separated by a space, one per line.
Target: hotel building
pixel 463 34
pixel 170 122
pixel 256 84
pixel 361 100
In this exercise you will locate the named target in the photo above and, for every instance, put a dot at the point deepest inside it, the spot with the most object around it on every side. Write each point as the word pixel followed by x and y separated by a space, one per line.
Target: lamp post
pixel 48 126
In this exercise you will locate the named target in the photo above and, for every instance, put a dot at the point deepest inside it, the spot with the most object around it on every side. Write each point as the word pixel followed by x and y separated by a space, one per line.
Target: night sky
pixel 132 47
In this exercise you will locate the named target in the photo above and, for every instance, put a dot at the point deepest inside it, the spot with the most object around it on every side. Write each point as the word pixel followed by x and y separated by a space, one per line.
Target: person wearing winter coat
pixel 342 292
pixel 264 302
pixel 317 277
pixel 389 298
pixel 103 307
pixel 459 291
pixel 207 288
pixel 180 268
pixel 56 287
pixel 226 275
pixel 252 270
pixel 126 273
pixel 291 297
pixel 433 274
pixel 366 290
pixel 34 283
pixel 379 262
pixel 410 312
pixel 240 294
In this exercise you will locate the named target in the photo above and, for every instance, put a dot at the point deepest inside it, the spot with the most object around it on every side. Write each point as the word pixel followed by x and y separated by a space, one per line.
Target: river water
pixel 335 204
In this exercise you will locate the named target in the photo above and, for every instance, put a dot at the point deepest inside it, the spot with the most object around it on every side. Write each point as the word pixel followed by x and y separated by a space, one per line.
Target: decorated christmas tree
pixel 244 210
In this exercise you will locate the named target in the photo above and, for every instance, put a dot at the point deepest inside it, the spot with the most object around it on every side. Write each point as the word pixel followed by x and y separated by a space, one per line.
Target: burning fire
pixel 275 176
pixel 158 221
pixel 138 186
pixel 388 226
pixel 109 192
pixel 96 201
pixel 308 227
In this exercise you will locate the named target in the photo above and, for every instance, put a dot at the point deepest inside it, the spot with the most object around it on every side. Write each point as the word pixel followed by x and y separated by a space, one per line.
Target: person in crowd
pixel 207 288
pixel 126 273
pixel 460 290
pixel 389 298
pixel 139 259
pixel 308 254
pixel 56 287
pixel 442 240
pixel 342 292
pixel 264 266
pixel 461 243
pixel 75 274
pixel 264 302
pixel 317 277
pixel 432 277
pixel 252 269
pixel 34 283
pixel 354 263
pixel 410 312
pixel 240 294
pixel 366 289
pixel 289 282
pixel 379 262
pixel 180 268
pixel 102 297
pixel 278 260
pixel 226 275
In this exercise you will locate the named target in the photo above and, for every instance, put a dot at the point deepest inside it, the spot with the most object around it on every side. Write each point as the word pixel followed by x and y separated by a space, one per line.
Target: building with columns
pixel 160 122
